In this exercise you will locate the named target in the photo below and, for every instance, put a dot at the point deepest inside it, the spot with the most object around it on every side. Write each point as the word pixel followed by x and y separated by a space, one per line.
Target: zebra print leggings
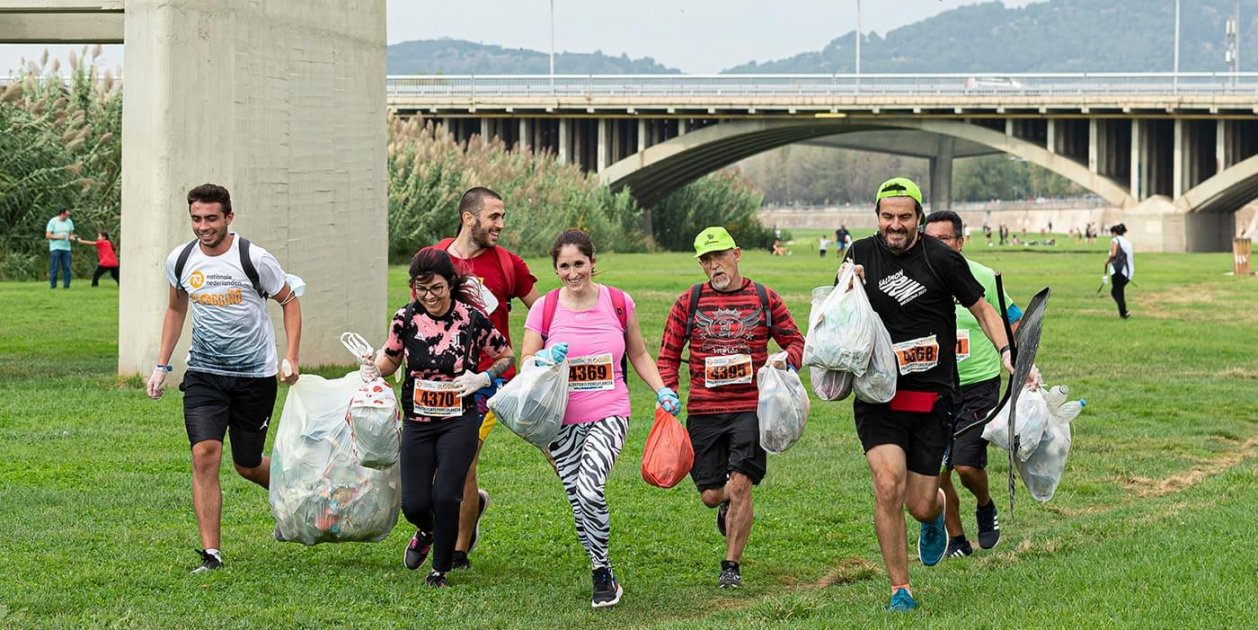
pixel 584 454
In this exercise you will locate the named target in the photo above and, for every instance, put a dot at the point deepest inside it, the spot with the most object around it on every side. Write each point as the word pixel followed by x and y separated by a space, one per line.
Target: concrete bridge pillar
pixel 1137 160
pixel 602 145
pixel 565 133
pixel 284 104
pixel 941 174
pixel 642 144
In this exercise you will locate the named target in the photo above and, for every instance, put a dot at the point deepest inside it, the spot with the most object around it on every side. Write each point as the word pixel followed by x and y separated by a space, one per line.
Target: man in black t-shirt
pixel 911 281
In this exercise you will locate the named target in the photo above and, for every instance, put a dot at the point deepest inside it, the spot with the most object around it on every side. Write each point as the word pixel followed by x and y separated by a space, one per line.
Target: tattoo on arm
pixel 500 366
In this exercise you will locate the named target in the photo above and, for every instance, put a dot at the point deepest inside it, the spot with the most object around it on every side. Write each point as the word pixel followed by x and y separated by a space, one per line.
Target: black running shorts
pixel 723 443
pixel 214 404
pixel 977 401
pixel 922 436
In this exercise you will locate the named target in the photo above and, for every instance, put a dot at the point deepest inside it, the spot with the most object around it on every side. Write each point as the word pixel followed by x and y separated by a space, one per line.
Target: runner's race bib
pixel 437 399
pixel 963 345
pixel 730 369
pixel 917 355
pixel 592 373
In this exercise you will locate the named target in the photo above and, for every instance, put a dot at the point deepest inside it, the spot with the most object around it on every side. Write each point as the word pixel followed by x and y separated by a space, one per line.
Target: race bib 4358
pixel 917 355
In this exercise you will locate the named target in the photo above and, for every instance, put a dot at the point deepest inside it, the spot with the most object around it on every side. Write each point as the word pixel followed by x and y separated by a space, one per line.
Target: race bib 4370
pixel 437 399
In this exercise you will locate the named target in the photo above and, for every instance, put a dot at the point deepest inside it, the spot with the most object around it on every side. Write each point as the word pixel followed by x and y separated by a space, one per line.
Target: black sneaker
pixel 988 525
pixel 730 577
pixel 958 547
pixel 721 511
pixel 607 590
pixel 417 550
pixel 482 498
pixel 460 561
pixel 209 562
pixel 437 580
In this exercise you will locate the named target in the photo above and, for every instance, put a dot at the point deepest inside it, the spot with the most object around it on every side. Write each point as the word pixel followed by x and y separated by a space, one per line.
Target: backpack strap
pixel 764 305
pixel 182 262
pixel 246 263
pixel 549 303
pixel 694 306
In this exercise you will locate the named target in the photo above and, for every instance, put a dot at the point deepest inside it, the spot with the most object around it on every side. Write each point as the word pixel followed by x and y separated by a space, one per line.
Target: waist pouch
pixel 913 402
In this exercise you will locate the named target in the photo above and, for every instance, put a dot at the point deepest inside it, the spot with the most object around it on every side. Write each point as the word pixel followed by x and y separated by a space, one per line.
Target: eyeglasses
pixel 436 290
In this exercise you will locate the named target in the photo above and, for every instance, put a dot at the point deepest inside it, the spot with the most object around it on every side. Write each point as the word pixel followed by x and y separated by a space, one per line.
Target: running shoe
pixel 988 525
pixel 607 590
pixel 721 511
pixel 209 562
pixel 437 580
pixel 417 550
pixel 482 498
pixel 902 601
pixel 730 577
pixel 932 543
pixel 460 561
pixel 959 548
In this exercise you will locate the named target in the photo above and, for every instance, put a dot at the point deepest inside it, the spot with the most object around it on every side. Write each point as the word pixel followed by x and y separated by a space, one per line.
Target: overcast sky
pixel 696 36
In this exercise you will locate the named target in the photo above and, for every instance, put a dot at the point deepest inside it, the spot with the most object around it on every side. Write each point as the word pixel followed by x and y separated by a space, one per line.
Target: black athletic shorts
pixel 214 404
pixel 922 436
pixel 723 443
pixel 976 402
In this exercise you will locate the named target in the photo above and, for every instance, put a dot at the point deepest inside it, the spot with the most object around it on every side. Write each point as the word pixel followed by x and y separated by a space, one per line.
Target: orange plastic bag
pixel 668 455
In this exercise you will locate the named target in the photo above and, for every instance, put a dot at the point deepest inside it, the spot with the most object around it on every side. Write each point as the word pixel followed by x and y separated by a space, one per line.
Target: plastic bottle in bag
pixel 830 384
pixel 782 406
pixel 877 384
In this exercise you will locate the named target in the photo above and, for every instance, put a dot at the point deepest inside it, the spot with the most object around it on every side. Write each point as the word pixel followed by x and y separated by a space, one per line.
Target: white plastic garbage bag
pixel 1030 423
pixel 319 492
pixel 782 406
pixel 533 403
pixel 1042 471
pixel 840 325
pixel 830 384
pixel 877 384
pixel 373 422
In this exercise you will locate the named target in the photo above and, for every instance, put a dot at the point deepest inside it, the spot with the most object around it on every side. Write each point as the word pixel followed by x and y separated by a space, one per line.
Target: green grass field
pixel 1147 529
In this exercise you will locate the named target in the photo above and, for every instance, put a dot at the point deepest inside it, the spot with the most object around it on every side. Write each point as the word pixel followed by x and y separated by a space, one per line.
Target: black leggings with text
pixel 435 457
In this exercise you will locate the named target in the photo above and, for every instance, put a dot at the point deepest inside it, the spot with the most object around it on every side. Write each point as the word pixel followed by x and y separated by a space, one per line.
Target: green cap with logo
pixel 898 187
pixel 713 239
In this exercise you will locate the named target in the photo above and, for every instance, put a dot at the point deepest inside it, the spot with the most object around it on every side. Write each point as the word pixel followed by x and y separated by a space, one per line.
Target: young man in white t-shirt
pixel 229 386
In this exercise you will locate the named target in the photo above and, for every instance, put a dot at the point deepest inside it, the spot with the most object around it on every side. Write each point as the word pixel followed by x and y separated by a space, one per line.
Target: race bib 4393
pixel 917 355
pixel 730 369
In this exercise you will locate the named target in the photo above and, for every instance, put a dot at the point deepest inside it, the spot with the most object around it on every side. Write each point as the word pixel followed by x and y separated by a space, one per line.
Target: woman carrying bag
pixel 442 335
pixel 596 328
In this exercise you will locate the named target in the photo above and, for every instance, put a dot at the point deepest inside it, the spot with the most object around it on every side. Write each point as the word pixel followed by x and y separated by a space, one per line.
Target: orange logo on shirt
pixel 196 280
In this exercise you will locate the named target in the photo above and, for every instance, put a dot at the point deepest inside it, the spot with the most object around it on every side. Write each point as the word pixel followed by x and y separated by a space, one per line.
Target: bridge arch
pixel 651 174
pixel 1225 191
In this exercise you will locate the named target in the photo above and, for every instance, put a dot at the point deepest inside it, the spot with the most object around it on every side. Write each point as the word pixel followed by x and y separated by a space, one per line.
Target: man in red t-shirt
pixel 106 258
pixel 727 321
pixel 503 275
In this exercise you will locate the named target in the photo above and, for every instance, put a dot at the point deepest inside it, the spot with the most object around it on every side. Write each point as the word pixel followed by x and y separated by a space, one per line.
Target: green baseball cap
pixel 898 187
pixel 713 239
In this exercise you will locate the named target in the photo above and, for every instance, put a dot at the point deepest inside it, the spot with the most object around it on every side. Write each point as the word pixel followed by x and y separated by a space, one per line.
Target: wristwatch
pixel 165 367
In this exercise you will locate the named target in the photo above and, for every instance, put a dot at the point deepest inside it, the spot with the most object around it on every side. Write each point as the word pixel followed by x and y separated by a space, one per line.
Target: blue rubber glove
pixel 668 400
pixel 552 355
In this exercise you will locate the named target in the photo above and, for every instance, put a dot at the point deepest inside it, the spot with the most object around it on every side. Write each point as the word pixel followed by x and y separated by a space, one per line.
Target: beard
pixel 482 238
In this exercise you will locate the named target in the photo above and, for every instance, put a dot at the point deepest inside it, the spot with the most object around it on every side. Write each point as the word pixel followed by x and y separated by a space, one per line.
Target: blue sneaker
pixel 932 543
pixel 902 601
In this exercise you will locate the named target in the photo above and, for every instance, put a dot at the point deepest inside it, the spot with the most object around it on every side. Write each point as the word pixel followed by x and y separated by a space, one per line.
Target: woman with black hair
pixel 1122 260
pixel 442 335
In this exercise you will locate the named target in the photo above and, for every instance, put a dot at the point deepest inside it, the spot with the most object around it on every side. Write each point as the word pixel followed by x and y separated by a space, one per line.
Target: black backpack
pixel 246 263
pixel 1120 259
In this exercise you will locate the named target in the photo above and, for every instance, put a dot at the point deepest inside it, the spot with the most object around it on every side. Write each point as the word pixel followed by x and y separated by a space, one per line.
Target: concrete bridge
pixel 1188 140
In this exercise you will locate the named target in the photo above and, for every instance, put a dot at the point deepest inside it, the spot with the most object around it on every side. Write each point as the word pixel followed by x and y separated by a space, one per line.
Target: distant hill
pixel 1053 36
pixel 453 56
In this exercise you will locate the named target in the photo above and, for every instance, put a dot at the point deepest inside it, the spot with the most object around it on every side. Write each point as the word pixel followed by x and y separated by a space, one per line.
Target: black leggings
pixel 100 271
pixel 435 457
pixel 1120 284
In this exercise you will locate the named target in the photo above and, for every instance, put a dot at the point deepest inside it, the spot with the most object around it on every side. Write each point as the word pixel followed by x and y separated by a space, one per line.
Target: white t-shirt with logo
pixel 231 329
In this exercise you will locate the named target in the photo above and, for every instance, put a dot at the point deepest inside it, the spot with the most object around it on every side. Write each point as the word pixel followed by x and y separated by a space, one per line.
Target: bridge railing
pixel 753 85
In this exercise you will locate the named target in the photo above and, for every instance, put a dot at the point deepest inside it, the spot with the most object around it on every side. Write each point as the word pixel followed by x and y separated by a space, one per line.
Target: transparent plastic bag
pixel 374 424
pixel 1030 423
pixel 533 403
pixel 830 384
pixel 1042 471
pixel 782 406
pixel 840 325
pixel 319 492
pixel 877 384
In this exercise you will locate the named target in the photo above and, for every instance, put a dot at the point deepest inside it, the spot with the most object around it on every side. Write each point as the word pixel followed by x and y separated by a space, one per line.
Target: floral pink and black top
pixel 437 350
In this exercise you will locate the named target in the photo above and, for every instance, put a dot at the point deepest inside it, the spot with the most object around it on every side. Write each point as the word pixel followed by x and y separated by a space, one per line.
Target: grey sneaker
pixel 607 590
pixel 730 577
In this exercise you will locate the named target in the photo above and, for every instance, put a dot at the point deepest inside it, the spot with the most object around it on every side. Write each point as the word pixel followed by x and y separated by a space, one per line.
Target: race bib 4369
pixel 591 373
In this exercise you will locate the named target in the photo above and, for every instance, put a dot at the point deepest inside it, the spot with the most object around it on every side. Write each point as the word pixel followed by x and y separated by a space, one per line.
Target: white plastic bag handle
pixel 357 346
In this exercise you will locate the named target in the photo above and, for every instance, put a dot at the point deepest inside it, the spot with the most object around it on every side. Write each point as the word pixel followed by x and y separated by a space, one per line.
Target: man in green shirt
pixel 978 365
pixel 60 232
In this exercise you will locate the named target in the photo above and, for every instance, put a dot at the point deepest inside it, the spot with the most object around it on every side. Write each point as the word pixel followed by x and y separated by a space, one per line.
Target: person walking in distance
pixel 727 322
pixel 912 282
pixel 1122 262
pixel 596 328
pixel 59 232
pixel 106 257
pixel 229 387
pixel 443 338
pixel 978 366
pixel 499 275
